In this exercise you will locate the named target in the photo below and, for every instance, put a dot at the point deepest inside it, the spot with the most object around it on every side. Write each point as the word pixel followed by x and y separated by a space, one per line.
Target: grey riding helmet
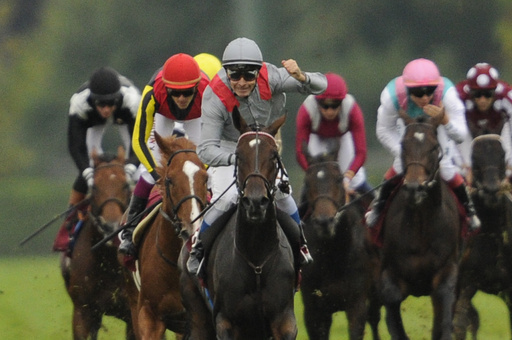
pixel 242 51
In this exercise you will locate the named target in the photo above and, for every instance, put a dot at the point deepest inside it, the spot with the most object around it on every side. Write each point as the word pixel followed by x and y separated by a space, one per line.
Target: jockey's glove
pixel 88 175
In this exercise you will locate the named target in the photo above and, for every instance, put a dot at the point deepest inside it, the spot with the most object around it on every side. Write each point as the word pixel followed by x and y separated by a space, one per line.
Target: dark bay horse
pixel 342 277
pixel 421 236
pixel 486 264
pixel 94 279
pixel 250 274
pixel 157 304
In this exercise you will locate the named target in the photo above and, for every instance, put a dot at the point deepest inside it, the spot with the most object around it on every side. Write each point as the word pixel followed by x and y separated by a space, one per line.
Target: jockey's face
pixel 422 101
pixel 483 99
pixel 182 98
pixel 242 80
pixel 106 111
pixel 329 108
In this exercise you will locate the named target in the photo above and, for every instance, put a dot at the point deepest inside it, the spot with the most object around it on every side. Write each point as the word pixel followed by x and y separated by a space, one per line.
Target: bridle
pixel 270 185
pixel 96 211
pixel 173 216
pixel 336 203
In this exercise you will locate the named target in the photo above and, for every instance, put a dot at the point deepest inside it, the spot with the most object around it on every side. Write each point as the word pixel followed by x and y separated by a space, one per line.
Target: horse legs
pixel 285 327
pixel 394 322
pixel 506 297
pixel 465 315
pixel 86 323
pixel 356 316
pixel 317 321
pixel 150 326
pixel 374 316
pixel 443 300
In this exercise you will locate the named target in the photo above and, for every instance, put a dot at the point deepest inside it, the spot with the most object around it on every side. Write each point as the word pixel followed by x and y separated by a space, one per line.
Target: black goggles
pixel 248 75
pixel 103 103
pixel 421 91
pixel 329 105
pixel 480 93
pixel 179 93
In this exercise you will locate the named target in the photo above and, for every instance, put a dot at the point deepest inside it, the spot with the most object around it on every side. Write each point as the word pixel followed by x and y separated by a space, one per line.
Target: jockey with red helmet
pixel 323 121
pixel 422 91
pixel 173 94
pixel 258 90
pixel 488 103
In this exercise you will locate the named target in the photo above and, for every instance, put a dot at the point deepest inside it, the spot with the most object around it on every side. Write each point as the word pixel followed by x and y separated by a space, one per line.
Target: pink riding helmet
pixel 421 72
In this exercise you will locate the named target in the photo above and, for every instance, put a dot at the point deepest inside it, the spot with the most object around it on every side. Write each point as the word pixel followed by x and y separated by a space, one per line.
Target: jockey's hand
pixel 88 175
pixel 437 113
pixel 294 70
pixel 347 178
pixel 130 171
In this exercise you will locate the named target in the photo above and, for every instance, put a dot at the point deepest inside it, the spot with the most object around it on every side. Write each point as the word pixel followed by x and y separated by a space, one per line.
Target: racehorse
pixel 94 279
pixel 157 305
pixel 421 238
pixel 250 274
pixel 342 277
pixel 486 262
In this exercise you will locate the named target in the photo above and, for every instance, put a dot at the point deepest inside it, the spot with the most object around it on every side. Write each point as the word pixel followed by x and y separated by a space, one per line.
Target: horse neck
pixel 256 240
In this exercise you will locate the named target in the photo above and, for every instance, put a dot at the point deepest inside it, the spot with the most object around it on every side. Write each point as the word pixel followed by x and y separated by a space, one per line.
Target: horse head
pixel 183 183
pixel 257 166
pixel 488 168
pixel 323 185
pixel 110 192
pixel 421 154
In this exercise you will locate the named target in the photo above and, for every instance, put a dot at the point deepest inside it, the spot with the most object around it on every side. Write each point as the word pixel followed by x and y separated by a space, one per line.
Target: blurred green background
pixel 49 48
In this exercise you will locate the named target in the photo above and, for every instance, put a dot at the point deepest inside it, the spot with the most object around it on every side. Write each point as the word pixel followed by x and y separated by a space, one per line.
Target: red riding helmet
pixel 181 72
pixel 482 76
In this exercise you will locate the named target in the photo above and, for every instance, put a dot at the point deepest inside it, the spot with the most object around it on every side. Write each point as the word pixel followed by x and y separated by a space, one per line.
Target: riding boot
pixel 196 252
pixel 379 202
pixel 137 206
pixel 304 250
pixel 465 199
pixel 61 242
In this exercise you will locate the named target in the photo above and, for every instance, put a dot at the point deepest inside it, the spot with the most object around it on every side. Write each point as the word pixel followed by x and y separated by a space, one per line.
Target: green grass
pixel 34 305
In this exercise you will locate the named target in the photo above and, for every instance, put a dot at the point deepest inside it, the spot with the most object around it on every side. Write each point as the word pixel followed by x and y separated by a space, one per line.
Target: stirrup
pixel 126 247
pixel 371 218
pixel 194 262
pixel 474 223
pixel 306 257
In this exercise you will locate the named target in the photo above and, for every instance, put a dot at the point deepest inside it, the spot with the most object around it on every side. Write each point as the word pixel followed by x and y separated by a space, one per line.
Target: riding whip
pixel 47 224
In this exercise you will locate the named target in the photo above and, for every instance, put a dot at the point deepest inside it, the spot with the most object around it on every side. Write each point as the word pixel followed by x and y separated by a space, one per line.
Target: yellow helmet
pixel 208 63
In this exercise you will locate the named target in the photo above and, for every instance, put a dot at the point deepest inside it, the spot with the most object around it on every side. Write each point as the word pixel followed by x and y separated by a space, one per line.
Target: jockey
pixel 258 90
pixel 106 98
pixel 173 94
pixel 488 102
pixel 422 91
pixel 330 119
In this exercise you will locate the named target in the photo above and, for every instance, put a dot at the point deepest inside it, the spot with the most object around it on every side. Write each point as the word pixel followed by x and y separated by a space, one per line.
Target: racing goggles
pixel 179 93
pixel 237 74
pixel 105 102
pixel 422 91
pixel 480 93
pixel 330 105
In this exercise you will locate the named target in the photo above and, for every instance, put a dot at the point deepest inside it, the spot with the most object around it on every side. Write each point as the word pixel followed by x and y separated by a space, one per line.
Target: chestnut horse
pixel 421 238
pixel 94 279
pixel 486 264
pixel 342 278
pixel 250 274
pixel 157 305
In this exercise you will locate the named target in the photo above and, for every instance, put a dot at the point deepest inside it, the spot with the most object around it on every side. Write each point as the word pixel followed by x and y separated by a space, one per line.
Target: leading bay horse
pixel 486 264
pixel 157 305
pixel 250 273
pixel 94 279
pixel 421 238
pixel 342 278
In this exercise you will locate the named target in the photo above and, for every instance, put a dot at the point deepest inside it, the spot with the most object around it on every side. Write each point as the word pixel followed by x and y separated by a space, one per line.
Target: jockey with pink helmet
pixel 488 103
pixel 422 91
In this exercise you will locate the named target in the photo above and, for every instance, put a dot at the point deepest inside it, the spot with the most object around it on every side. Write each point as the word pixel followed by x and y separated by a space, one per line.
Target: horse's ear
pixel 275 126
pixel 305 152
pixel 333 154
pixel 405 117
pixel 239 122
pixel 121 154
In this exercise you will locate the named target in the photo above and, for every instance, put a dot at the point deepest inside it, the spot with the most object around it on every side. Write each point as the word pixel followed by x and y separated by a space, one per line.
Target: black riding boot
pixel 462 194
pixel 379 202
pixel 137 206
